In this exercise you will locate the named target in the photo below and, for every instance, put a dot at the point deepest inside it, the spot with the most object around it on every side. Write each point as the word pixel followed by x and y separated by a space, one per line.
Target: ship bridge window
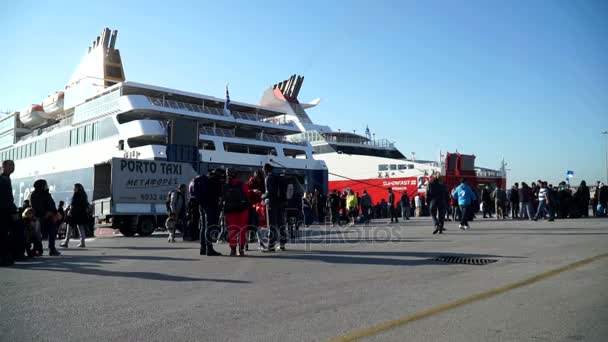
pixel 145 141
pixel 250 149
pixel 293 153
pixel 410 166
pixel 402 167
pixel 208 145
pixel 382 167
pixel 393 167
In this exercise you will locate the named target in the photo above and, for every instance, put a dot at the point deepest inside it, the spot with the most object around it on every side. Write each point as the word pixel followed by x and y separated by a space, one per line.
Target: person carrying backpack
pixel 236 212
pixel 177 205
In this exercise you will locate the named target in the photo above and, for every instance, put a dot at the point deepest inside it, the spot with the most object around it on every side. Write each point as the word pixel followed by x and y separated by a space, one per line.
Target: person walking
pixel 391 206
pixel 8 212
pixel 405 205
pixel 77 216
pixel 437 202
pixel 543 203
pixel 456 215
pixel 45 211
pixel 465 195
pixel 236 211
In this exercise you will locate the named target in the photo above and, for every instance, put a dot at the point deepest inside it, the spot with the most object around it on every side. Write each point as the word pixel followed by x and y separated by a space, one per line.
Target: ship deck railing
pixel 192 107
pixel 318 137
pixel 229 133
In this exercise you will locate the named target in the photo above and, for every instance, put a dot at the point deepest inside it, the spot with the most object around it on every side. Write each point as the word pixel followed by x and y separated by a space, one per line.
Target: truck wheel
pixel 127 226
pixel 146 226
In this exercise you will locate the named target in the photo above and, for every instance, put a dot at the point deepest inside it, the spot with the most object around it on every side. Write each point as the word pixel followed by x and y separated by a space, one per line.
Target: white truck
pixel 131 194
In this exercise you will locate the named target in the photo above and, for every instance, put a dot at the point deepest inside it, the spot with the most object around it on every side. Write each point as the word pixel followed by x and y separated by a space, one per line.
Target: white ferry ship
pixel 360 162
pixel 99 116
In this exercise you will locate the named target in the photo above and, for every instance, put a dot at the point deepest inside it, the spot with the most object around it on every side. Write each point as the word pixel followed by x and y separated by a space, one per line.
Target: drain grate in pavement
pixel 464 260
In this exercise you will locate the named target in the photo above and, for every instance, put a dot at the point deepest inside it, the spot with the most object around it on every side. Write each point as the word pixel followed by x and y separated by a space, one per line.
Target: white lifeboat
pixel 33 116
pixel 53 105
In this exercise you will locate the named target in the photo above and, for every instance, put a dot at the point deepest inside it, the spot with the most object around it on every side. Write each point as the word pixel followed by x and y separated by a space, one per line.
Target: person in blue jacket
pixel 465 195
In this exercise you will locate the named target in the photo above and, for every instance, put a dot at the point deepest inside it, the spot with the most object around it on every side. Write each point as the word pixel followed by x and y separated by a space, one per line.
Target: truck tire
pixel 146 226
pixel 127 226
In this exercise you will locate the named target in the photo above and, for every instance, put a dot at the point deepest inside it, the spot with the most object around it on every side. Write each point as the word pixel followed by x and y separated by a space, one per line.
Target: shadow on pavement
pixel 375 258
pixel 90 265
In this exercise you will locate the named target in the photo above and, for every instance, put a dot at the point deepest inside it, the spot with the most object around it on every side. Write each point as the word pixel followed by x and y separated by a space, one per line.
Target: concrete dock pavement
pixel 330 284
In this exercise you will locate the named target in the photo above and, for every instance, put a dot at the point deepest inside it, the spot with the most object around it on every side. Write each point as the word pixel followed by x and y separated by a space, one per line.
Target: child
pixel 32 236
pixel 170 224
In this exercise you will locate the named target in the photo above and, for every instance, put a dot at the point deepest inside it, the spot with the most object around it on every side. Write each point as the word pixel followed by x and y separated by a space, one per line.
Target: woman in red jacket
pixel 236 211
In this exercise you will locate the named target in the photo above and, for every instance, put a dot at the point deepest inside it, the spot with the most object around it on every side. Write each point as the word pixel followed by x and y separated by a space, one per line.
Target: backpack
pixel 198 187
pixel 235 199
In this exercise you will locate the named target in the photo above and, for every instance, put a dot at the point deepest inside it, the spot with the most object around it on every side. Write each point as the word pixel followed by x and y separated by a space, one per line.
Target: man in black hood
pixel 437 201
pixel 8 212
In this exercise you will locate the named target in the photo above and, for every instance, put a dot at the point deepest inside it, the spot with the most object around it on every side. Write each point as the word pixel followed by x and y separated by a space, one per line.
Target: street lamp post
pixel 605 134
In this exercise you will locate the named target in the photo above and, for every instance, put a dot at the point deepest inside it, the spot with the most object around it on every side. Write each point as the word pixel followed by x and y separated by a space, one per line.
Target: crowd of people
pixel 23 229
pixel 219 206
pixel 222 207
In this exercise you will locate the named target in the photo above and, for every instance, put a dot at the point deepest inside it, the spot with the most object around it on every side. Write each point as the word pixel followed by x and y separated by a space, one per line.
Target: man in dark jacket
pixel 405 205
pixel 500 198
pixel 366 205
pixel 525 201
pixel 514 199
pixel 602 198
pixel 274 198
pixel 582 196
pixel 208 192
pixel 8 212
pixel 391 206
pixel 333 204
pixel 45 210
pixel 437 201
pixel 486 199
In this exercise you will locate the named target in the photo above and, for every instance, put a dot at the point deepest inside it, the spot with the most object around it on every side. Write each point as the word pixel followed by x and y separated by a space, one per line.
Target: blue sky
pixel 523 80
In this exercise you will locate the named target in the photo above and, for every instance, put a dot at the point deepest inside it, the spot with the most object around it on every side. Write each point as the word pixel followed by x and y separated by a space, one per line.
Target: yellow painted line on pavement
pixel 374 330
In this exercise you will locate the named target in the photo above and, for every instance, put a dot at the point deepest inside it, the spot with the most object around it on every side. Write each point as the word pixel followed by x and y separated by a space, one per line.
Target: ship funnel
pixel 100 68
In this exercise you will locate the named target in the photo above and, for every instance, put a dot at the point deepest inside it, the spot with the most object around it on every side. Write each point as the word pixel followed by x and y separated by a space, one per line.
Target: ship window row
pixel 393 167
pixel 209 145
pixel 76 136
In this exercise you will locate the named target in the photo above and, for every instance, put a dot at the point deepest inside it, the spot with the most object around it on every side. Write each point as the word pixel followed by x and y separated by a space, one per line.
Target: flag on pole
pixel 227 103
